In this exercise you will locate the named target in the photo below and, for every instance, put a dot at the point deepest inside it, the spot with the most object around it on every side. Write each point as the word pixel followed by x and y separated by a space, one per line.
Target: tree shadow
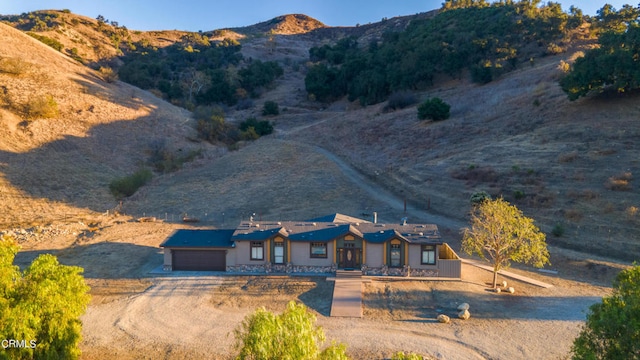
pixel 103 260
pixel 77 170
pixel 320 297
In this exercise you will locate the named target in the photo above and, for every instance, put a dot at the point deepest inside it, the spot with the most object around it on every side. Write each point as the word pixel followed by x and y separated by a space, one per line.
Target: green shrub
pixel 434 109
pixel 210 122
pixel 250 134
pixel 14 66
pixel 261 128
pixel 108 74
pixel 290 335
pixel 558 230
pixel 41 305
pixel 612 328
pixel 165 160
pixel 259 74
pixel 518 194
pixel 43 107
pixel 479 197
pixel 47 40
pixel 128 185
pixel 410 356
pixel 270 108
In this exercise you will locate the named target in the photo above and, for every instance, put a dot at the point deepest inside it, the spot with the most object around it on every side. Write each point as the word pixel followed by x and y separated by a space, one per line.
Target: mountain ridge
pixel 517 137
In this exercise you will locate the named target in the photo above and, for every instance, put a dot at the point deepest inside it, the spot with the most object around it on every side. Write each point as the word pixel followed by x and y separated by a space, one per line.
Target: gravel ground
pixel 194 317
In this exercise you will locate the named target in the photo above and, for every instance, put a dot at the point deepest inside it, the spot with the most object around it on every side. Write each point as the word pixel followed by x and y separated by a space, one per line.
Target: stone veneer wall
pixel 405 271
pixel 289 268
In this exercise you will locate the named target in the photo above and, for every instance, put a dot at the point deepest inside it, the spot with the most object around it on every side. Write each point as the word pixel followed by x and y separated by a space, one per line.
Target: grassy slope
pixel 61 165
pixel 560 155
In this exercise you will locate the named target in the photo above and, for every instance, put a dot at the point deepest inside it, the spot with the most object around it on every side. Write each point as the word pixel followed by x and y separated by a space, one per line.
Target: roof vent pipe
pixel 404 220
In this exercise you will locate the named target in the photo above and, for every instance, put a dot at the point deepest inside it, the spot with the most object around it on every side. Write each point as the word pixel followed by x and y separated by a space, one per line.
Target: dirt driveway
pixel 186 317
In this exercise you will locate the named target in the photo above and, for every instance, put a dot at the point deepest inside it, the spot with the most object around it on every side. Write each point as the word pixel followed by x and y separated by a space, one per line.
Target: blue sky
pixel 194 15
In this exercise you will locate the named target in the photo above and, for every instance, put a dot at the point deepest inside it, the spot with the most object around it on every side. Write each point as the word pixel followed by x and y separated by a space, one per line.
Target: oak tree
pixel 500 233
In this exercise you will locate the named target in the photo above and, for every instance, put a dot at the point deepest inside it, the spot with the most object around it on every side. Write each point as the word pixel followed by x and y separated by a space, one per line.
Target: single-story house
pixel 320 245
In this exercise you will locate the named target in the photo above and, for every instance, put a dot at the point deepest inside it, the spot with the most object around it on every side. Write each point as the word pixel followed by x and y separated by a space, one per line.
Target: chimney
pixel 404 221
pixel 375 217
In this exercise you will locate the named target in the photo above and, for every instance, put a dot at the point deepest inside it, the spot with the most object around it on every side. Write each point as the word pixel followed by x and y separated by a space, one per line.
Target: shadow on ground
pixel 103 260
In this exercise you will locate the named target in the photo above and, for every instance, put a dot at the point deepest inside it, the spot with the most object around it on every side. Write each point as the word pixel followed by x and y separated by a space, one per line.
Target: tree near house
pixel 500 233
pixel 612 330
pixel 290 335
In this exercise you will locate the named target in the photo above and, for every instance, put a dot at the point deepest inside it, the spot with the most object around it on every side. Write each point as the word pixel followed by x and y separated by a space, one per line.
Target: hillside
pixel 290 24
pixel 571 166
pixel 60 164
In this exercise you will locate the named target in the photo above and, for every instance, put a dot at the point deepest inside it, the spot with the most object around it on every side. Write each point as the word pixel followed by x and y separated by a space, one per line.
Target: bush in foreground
pixel 40 306
pixel 612 329
pixel 435 109
pixel 290 335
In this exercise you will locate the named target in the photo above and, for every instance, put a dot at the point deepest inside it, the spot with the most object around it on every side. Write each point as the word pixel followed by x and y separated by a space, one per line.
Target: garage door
pixel 199 260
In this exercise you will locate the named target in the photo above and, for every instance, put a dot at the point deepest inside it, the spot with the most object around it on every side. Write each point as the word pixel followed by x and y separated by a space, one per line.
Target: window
pixel 318 250
pixel 278 252
pixel 428 255
pixel 257 250
pixel 395 255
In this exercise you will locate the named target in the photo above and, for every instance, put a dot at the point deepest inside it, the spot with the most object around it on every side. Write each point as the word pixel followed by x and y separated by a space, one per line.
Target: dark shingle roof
pixel 306 231
pixel 200 238
pixel 324 233
pixel 257 233
pixel 338 218
pixel 413 233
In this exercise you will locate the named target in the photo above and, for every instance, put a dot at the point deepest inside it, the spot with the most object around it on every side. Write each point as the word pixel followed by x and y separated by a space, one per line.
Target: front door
pixel 349 254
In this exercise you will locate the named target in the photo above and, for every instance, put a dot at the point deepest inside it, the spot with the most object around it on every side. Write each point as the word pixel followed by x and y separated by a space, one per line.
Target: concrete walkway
pixel 508 274
pixel 347 294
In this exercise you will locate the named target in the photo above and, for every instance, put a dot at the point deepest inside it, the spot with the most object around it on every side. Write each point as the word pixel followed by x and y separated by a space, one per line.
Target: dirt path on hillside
pixel 396 205
pixel 379 193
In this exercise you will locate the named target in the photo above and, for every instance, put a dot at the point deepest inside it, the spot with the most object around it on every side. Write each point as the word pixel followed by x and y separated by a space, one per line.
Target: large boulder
pixel 442 318
pixel 464 315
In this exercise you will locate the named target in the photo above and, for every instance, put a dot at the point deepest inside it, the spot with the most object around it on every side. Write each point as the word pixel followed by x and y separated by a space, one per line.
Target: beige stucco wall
pixel 243 254
pixel 301 255
pixel 414 257
pixel 375 255
pixel 231 257
pixel 168 259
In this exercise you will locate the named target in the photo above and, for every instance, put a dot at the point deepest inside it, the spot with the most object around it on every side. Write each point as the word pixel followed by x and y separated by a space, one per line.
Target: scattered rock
pixel 511 290
pixel 463 306
pixel 464 314
pixel 442 318
pixel 504 284
pixel 497 290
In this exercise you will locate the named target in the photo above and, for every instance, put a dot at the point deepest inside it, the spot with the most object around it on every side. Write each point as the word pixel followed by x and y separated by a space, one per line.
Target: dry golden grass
pixel 620 182
pixel 102 131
